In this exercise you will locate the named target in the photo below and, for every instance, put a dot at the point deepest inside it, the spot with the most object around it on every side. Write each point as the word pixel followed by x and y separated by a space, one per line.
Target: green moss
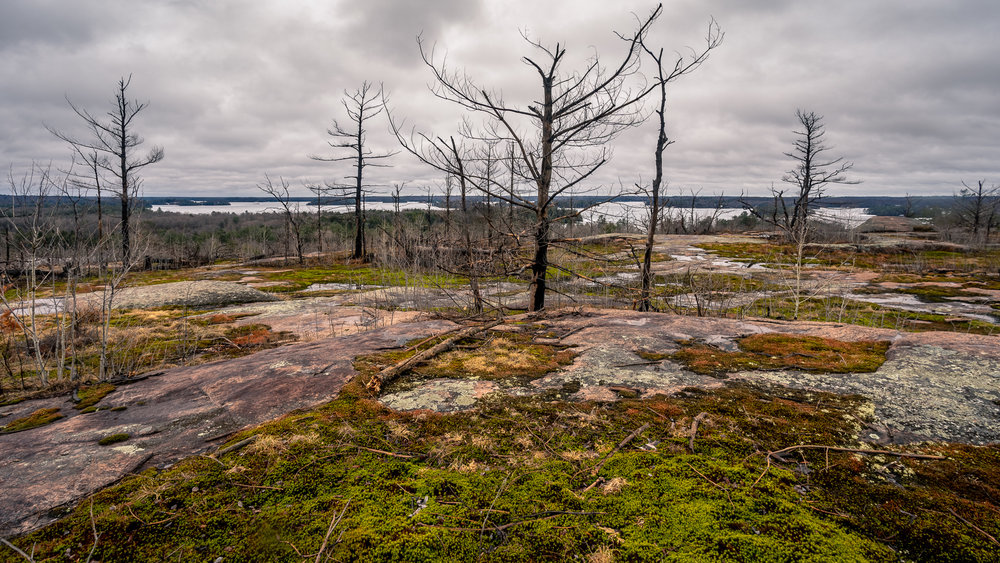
pixel 652 356
pixel 784 351
pixel 511 481
pixel 41 417
pixel 113 439
pixel 840 310
pixel 298 279
pixel 90 395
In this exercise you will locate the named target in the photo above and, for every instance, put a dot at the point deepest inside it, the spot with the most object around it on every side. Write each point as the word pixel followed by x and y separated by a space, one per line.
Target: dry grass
pixel 500 357
pixel 266 445
pixel 604 554
pixel 613 486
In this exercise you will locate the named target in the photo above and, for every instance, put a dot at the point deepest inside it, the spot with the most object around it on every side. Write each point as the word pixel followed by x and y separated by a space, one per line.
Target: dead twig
pixel 716 485
pixel 776 453
pixel 333 524
pixel 597 482
pixel 694 429
pixel 534 518
pixel 19 552
pixel 973 526
pixel 93 527
pixel 622 444
pixel 649 363
pixel 259 487
pixel 391 454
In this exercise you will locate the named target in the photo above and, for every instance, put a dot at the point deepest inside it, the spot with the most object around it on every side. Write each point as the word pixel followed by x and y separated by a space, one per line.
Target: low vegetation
pixel 521 479
pixel 782 351
pixel 41 417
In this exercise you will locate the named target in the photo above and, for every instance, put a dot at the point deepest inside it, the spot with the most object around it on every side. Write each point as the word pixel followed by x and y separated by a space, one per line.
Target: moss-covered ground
pixel 41 417
pixel 519 480
pixel 852 311
pixel 90 395
pixel 783 351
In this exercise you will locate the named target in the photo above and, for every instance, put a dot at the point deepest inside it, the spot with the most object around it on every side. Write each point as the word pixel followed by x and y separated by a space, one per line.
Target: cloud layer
pixel 236 89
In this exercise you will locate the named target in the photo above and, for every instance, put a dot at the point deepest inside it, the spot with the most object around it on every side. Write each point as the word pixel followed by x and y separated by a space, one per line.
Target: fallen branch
pixel 776 453
pixel 392 454
pixel 716 485
pixel 622 444
pixel 547 515
pixel 633 364
pixel 594 484
pixel 237 446
pixel 973 526
pixel 392 372
pixel 694 429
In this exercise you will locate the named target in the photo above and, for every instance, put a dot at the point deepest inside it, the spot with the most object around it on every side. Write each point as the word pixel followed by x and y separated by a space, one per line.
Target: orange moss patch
pixel 785 351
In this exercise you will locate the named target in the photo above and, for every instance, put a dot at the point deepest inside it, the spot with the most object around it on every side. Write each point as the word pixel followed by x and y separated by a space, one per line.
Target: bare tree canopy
pixel 113 147
pixel 663 75
pixel 361 105
pixel 293 218
pixel 977 210
pixel 558 140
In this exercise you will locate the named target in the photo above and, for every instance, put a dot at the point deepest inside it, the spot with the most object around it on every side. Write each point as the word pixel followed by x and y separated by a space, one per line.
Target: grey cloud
pixel 237 88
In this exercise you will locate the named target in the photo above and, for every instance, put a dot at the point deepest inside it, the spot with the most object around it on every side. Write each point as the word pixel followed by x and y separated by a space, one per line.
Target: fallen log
pixel 388 374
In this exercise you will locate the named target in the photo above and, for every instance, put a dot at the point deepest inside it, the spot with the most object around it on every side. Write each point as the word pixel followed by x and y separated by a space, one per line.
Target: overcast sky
pixel 910 89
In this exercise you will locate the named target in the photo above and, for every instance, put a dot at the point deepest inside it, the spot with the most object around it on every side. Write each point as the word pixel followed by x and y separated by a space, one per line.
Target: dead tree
pixel 559 139
pixel 662 142
pixel 664 74
pixel 320 191
pixel 812 173
pixel 361 105
pixel 113 147
pixel 976 209
pixel 290 209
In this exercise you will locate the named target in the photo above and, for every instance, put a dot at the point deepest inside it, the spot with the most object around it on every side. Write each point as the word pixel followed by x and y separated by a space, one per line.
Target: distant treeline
pixel 920 206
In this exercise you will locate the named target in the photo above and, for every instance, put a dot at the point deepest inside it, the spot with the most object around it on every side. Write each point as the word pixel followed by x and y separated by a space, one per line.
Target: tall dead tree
pixel 113 147
pixel 665 74
pixel 361 105
pixel 559 138
pixel 812 173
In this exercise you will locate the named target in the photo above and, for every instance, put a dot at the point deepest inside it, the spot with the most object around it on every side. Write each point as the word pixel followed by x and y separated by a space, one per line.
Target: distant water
pixel 238 207
pixel 634 211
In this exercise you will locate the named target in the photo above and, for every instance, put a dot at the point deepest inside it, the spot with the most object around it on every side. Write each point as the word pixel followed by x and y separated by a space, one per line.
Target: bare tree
pixel 361 105
pixel 812 173
pixel 320 190
pixel 559 140
pixel 30 221
pixel 976 209
pixel 113 147
pixel 664 75
pixel 290 209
